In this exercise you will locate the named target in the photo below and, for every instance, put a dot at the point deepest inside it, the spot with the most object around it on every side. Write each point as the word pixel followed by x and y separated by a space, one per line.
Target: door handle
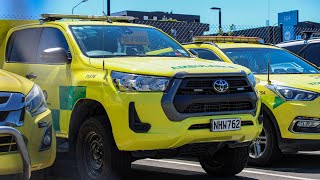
pixel 31 76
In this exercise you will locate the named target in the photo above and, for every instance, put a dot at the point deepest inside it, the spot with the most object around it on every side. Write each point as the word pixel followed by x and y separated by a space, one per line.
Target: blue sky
pixel 239 12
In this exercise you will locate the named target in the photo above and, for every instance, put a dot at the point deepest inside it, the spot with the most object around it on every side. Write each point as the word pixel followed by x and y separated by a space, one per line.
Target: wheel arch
pixel 83 109
pixel 267 112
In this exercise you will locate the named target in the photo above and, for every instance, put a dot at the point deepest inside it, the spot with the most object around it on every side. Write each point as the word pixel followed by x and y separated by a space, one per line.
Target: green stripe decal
pixel 69 95
pixel 56 119
pixel 277 102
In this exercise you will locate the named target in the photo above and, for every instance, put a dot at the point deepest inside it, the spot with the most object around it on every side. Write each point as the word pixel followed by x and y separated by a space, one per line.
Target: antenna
pixel 269 68
pixel 269 65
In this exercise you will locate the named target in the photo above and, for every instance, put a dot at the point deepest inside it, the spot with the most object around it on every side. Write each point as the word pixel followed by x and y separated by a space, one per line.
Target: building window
pixel 145 18
pixel 155 18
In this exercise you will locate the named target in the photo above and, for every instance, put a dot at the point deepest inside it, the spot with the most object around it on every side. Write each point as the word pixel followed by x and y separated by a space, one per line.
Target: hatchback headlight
pixel 35 102
pixel 293 94
pixel 132 82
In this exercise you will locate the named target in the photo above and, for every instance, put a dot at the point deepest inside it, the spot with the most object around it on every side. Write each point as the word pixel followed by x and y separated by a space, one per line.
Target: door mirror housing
pixel 55 56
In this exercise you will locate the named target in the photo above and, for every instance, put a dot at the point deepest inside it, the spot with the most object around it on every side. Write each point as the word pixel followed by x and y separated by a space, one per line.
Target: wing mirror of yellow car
pixel 55 56
pixel 193 52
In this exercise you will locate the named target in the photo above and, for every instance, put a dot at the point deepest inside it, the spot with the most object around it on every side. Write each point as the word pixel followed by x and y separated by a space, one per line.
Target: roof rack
pixel 223 39
pixel 54 17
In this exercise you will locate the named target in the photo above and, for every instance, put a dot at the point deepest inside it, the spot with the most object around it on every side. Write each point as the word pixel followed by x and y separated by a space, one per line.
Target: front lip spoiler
pixel 21 147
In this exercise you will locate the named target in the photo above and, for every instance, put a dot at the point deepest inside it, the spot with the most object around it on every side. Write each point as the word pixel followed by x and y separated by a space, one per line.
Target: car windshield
pixel 281 61
pixel 115 41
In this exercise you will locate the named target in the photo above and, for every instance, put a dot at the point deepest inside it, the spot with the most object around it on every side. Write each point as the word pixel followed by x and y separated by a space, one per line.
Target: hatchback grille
pixel 7 144
pixel 218 107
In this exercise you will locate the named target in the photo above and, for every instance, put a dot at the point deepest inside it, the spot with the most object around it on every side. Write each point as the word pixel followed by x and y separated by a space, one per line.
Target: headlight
pixel 252 79
pixel 35 102
pixel 292 94
pixel 132 82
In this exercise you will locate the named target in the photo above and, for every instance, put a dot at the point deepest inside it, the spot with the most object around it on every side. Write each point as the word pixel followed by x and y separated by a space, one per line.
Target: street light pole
pixel 108 8
pixel 78 5
pixel 217 8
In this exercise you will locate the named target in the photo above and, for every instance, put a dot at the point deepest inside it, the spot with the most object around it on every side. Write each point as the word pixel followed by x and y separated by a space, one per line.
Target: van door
pixel 52 75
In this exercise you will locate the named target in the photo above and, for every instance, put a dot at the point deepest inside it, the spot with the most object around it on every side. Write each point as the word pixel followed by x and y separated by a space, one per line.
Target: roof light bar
pixel 53 17
pixel 223 39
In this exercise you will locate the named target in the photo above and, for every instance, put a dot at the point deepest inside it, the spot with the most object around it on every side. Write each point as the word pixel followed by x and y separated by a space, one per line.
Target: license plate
pixel 220 125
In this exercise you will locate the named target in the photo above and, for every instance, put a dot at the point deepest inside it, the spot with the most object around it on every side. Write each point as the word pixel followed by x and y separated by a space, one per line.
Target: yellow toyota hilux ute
pixel 290 96
pixel 120 92
pixel 27 140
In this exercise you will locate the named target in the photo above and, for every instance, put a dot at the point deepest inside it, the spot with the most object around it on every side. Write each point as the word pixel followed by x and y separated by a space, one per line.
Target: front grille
pixel 7 144
pixel 218 107
pixel 12 108
pixel 204 86
pixel 197 95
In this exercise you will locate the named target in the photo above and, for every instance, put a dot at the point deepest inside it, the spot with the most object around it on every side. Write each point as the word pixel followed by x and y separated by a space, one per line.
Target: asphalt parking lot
pixel 302 166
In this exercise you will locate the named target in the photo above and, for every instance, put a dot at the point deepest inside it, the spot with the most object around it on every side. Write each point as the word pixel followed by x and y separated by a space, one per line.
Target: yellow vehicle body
pixel 284 112
pixel 10 159
pixel 67 85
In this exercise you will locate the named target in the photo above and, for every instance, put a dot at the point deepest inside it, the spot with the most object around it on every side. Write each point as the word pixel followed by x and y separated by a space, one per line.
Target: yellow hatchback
pixel 290 96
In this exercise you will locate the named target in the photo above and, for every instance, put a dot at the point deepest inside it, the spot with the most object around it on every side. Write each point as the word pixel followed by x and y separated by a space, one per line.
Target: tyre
pixel 97 154
pixel 225 162
pixel 265 150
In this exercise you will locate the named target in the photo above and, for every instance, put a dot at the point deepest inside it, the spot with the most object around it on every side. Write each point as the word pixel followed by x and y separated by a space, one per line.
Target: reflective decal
pixel 277 102
pixel 200 66
pixel 315 83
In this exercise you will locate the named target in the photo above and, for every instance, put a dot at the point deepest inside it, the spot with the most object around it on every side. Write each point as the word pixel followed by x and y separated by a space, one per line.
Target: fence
pixel 183 31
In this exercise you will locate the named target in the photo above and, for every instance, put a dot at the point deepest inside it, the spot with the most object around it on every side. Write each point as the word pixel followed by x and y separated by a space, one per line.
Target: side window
pixel 51 38
pixel 295 49
pixel 22 45
pixel 312 53
pixel 207 54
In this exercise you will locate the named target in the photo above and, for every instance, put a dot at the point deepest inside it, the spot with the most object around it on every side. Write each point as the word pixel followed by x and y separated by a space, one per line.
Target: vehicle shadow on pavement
pixel 142 172
pixel 297 163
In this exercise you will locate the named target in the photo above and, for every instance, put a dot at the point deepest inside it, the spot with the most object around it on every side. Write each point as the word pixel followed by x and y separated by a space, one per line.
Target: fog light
pixel 47 139
pixel 306 125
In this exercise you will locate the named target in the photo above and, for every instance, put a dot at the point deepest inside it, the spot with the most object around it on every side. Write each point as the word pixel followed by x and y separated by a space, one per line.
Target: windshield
pixel 281 62
pixel 114 41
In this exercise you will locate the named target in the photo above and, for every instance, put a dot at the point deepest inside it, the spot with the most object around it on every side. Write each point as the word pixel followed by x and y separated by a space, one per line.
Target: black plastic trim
pixel 168 97
pixel 135 123
pixel 299 145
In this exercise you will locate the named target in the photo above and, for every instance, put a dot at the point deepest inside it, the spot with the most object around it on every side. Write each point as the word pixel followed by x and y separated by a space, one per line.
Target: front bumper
pixel 11 163
pixel 299 145
pixel 164 133
pixel 287 113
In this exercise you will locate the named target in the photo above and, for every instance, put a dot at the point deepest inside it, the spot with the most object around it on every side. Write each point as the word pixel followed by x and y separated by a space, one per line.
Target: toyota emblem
pixel 221 86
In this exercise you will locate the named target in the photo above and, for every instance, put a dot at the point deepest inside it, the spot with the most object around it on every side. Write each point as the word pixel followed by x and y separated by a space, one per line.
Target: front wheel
pixel 265 150
pixel 97 154
pixel 225 162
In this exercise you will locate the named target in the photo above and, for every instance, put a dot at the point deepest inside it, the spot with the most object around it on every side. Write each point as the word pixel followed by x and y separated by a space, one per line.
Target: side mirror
pixel 55 56
pixel 193 52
